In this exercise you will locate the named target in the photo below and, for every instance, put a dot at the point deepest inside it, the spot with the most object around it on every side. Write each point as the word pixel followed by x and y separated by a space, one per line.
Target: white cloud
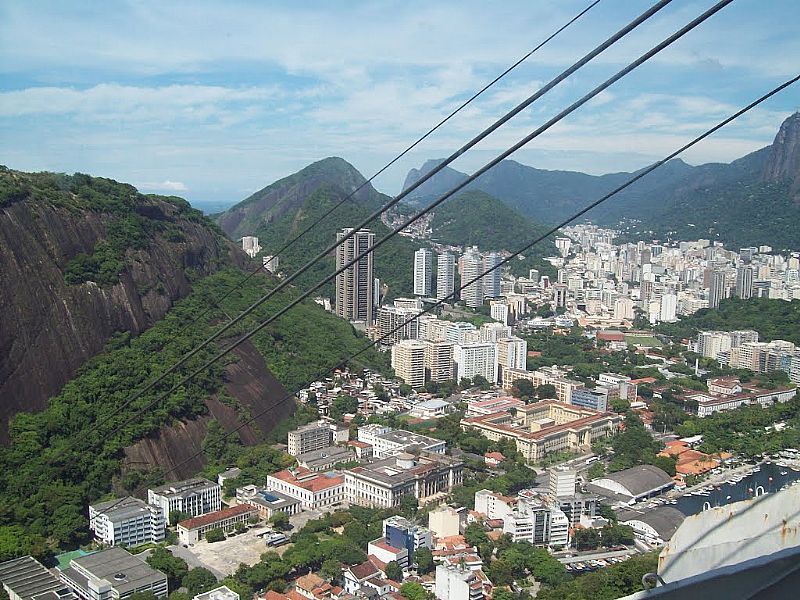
pixel 164 186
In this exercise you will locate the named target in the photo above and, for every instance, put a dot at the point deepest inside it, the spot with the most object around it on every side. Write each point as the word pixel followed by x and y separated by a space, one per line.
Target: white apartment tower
pixel 491 281
pixel 479 358
pixel 512 353
pixel 423 272
pixel 445 275
pixel 408 362
pixel 471 270
pixel 354 286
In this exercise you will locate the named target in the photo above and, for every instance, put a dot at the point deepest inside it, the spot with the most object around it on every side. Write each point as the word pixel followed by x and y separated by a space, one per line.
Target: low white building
pixel 223 592
pixel 112 574
pixel 386 553
pixel 493 504
pixel 192 530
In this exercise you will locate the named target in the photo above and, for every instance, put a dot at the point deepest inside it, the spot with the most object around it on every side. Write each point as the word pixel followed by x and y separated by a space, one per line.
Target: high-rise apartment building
pixel 744 282
pixel 471 270
pixel 491 281
pixel 479 358
pixel 560 295
pixel 423 272
pixel 408 362
pixel 717 289
pixel 395 324
pixel 512 353
pixel 561 482
pixel 355 295
pixel 310 437
pixel 668 308
pixel 445 275
pixel 439 361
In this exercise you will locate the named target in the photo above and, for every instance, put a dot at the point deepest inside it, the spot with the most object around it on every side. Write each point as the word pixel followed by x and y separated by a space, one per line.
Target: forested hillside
pixel 80 258
pixel 750 201
pixel 60 460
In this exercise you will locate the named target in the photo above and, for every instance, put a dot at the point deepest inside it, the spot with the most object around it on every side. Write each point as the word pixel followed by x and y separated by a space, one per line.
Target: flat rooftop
pixel 29 579
pixel 124 571
pixel 184 488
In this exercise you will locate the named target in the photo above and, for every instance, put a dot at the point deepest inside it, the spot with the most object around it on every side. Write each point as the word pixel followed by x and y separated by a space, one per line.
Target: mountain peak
pixel 783 161
pixel 287 194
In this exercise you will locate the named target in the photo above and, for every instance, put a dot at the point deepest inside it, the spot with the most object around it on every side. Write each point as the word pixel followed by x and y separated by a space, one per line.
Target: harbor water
pixel 770 477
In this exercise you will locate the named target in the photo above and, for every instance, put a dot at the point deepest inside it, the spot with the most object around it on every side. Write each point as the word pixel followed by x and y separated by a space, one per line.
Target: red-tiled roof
pixel 216 516
pixel 313 482
pixel 384 545
pixel 358 444
pixel 364 570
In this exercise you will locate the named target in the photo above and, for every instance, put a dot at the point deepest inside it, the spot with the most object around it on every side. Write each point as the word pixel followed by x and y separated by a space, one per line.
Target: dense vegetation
pixel 747 431
pixel 587 361
pixel 612 582
pixel 477 219
pixel 131 219
pixel 741 213
pixel 59 460
pixel 394 260
pixel 772 319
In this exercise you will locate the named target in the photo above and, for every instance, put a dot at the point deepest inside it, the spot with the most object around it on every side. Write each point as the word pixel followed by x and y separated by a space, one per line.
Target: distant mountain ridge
pixel 716 197
pixel 283 209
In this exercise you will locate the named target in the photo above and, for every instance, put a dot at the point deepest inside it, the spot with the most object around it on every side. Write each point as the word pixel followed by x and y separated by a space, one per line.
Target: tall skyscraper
pixel 716 291
pixel 491 281
pixel 471 269
pixel 744 282
pixel 354 286
pixel 423 272
pixel 445 275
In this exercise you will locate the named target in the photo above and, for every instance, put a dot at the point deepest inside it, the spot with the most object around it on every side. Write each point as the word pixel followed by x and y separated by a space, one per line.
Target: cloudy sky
pixel 214 100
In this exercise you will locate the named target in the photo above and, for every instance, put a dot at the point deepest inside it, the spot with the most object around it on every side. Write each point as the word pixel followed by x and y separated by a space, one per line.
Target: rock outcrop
pixel 48 327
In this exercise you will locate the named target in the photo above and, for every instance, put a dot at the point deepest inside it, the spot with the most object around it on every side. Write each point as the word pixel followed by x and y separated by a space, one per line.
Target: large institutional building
pixel 355 285
pixel 546 427
pixel 382 484
pixel 194 497
pixel 128 521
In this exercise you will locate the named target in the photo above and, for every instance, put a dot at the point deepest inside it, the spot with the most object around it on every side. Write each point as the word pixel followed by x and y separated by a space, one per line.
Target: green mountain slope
pixel 753 200
pixel 83 257
pixel 287 195
pixel 476 218
pixel 59 460
pixel 312 192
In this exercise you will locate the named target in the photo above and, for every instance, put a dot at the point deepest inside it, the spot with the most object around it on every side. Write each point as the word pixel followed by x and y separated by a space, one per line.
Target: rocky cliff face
pixel 48 327
pixel 176 450
pixel 783 161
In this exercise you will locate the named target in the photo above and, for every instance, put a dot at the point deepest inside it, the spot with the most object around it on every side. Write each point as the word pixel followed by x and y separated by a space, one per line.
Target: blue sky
pixel 213 100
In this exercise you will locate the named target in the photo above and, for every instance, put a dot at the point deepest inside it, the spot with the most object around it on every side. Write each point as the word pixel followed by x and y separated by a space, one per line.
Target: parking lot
pixel 223 558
